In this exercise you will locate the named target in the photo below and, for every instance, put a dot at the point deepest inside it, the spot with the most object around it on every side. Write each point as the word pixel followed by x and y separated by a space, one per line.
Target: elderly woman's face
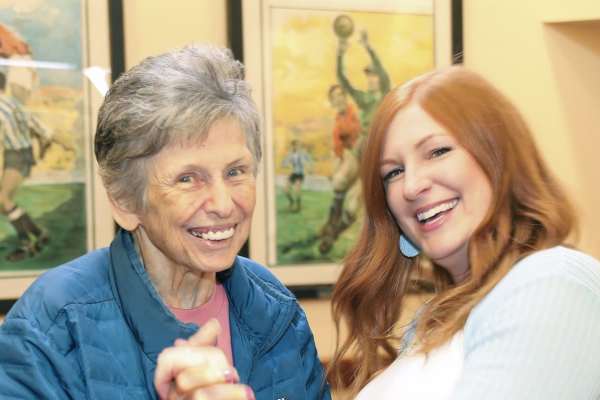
pixel 200 199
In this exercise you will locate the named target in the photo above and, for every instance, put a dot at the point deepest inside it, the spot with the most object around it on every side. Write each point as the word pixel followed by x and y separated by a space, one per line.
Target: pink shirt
pixel 216 307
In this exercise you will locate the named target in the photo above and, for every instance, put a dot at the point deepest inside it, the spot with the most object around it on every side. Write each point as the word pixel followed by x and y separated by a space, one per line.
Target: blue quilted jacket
pixel 93 328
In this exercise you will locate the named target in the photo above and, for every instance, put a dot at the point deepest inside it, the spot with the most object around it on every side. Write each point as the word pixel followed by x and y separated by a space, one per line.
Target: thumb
pixel 206 335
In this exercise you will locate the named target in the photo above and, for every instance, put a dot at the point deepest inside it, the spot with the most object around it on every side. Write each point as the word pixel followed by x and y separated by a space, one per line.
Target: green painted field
pixel 60 210
pixel 297 232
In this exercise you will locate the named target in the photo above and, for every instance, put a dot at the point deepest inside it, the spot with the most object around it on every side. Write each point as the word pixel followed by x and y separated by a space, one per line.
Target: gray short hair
pixel 171 97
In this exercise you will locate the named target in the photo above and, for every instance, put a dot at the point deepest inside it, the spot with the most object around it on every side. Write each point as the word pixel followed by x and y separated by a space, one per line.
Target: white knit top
pixel 535 336
pixel 414 377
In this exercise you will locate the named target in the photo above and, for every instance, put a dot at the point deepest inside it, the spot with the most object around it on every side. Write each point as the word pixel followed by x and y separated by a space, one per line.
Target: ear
pixel 126 219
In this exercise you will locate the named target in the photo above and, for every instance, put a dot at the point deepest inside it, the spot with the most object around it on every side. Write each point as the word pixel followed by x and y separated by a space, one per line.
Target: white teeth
pixel 436 210
pixel 215 235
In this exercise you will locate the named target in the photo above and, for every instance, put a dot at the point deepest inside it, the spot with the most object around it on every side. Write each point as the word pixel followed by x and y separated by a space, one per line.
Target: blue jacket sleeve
pixel 316 384
pixel 540 341
pixel 30 365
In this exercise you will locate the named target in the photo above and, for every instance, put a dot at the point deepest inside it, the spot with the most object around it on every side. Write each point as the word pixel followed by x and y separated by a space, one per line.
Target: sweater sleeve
pixel 537 340
pixel 30 366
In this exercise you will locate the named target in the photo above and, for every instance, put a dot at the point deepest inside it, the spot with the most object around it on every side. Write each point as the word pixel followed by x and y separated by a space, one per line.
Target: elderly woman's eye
pixel 185 179
pixel 237 171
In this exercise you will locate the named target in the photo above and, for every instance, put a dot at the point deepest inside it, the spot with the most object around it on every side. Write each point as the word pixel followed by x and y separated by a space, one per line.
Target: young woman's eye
pixel 440 152
pixel 392 174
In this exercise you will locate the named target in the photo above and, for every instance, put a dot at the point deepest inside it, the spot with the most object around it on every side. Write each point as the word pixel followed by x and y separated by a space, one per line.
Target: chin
pixel 215 262
pixel 215 265
pixel 448 256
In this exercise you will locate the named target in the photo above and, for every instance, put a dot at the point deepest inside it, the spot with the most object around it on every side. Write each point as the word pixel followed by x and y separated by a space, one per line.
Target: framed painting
pixel 318 70
pixel 55 64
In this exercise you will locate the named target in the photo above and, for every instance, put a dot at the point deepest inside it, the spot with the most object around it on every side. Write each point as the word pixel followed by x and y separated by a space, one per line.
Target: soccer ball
pixel 343 26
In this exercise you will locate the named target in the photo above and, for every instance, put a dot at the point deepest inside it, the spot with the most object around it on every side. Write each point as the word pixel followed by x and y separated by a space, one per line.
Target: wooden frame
pixel 277 32
pixel 101 39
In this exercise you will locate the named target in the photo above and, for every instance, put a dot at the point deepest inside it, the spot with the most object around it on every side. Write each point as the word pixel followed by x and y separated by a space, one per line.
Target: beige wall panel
pixel 155 26
pixel 568 11
pixel 574 52
pixel 551 72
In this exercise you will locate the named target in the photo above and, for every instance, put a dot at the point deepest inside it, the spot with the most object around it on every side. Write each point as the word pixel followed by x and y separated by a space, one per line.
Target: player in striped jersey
pixel 18 129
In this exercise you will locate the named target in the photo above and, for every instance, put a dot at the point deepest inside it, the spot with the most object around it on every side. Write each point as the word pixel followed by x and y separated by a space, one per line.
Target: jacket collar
pixel 151 322
pixel 261 314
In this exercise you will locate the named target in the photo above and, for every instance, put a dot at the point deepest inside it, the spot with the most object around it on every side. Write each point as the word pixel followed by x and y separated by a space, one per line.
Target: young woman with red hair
pixel 452 177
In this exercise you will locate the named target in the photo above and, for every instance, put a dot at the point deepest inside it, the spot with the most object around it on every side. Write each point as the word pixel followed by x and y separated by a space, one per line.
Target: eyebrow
pixel 237 161
pixel 241 160
pixel 427 138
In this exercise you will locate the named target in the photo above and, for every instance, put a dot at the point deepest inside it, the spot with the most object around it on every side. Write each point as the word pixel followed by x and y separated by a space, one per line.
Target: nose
pixel 219 201
pixel 415 183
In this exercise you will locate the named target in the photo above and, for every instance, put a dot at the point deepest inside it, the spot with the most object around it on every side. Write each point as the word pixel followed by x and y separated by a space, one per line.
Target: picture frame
pixel 79 221
pixel 291 58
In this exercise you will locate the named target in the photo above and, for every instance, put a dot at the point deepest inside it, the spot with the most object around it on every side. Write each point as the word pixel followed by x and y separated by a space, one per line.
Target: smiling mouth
pixel 436 211
pixel 213 234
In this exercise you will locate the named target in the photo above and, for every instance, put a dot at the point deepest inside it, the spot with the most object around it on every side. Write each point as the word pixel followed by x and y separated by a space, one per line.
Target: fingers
pixel 174 360
pixel 180 342
pixel 207 335
pixel 217 392
pixel 197 377
pixel 364 38
pixel 198 351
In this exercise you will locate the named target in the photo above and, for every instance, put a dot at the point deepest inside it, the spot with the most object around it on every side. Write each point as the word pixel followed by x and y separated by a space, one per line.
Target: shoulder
pixel 265 279
pixel 5 102
pixel 81 281
pixel 535 334
pixel 555 264
pixel 555 281
pixel 286 313
pixel 263 305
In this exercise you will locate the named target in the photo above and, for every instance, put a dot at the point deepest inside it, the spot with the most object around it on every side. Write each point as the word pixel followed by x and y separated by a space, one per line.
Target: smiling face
pixel 200 199
pixel 435 189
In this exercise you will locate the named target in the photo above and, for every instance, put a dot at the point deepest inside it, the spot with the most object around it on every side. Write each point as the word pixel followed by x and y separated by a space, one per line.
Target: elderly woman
pixel 178 146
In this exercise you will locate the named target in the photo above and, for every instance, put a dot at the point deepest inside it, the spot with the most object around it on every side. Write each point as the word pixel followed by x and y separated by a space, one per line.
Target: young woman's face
pixel 435 189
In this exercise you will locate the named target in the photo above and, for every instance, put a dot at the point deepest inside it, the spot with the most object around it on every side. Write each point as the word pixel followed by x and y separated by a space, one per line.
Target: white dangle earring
pixel 407 248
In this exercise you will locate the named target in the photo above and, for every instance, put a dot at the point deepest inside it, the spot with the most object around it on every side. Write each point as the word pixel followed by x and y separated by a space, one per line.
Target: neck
pixel 459 271
pixel 457 265
pixel 459 276
pixel 178 285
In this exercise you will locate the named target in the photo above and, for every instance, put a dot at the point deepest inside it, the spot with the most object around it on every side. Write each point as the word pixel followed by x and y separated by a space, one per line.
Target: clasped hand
pixel 196 369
